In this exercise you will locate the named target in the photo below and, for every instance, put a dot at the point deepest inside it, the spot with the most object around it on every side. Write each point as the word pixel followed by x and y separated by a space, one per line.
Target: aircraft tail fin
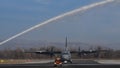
pixel 66 44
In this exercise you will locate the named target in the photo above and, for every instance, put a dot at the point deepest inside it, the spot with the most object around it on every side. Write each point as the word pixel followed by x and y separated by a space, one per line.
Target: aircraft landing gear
pixel 70 61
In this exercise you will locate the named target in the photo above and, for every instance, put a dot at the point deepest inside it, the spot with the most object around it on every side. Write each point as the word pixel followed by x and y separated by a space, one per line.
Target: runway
pixel 76 64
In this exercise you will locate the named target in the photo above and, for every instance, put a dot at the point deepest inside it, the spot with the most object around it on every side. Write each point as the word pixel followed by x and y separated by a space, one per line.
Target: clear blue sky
pixel 98 25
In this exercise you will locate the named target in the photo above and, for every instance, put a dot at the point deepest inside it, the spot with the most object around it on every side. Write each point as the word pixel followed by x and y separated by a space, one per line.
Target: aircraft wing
pixel 88 52
pixel 44 52
pixel 49 53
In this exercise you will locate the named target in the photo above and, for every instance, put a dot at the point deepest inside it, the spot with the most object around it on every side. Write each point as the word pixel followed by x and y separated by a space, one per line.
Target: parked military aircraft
pixel 65 55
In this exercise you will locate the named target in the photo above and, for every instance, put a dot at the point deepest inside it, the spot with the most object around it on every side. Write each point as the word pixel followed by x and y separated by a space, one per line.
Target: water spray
pixel 84 8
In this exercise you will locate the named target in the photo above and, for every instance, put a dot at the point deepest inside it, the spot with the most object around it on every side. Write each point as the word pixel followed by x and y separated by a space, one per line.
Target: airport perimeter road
pixel 76 64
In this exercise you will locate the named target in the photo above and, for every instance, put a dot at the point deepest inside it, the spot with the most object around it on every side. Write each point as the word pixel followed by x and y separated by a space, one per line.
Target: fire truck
pixel 57 62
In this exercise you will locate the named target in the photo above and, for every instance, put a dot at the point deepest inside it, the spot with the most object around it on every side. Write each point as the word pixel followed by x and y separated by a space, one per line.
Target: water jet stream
pixel 57 18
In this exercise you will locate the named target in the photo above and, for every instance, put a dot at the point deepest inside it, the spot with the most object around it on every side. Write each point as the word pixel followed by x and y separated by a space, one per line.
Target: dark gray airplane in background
pixel 65 55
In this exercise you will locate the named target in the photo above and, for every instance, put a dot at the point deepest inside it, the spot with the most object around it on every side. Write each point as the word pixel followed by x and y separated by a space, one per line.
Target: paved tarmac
pixel 76 64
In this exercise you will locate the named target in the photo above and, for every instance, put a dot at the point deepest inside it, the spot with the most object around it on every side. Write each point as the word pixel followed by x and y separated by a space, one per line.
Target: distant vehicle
pixel 57 62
